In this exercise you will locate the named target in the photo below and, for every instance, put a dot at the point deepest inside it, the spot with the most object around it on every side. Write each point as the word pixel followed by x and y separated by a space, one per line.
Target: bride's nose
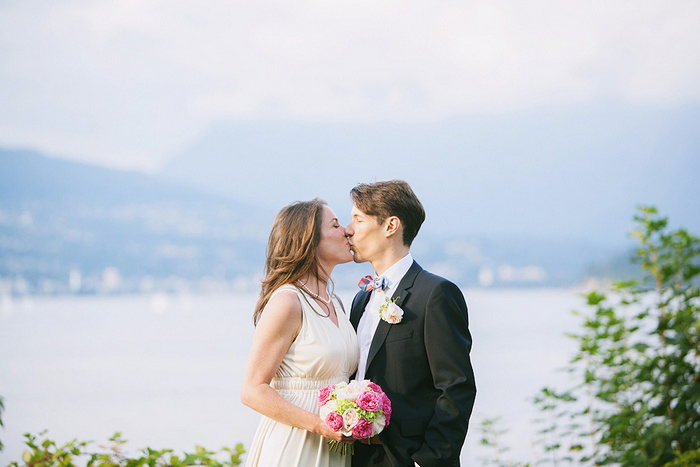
pixel 349 231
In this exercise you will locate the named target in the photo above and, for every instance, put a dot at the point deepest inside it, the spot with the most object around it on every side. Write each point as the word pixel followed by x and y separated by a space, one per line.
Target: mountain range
pixel 574 173
pixel 534 199
pixel 116 230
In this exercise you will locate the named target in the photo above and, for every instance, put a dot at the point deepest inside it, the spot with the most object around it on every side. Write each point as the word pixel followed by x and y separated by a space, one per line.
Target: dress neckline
pixel 313 303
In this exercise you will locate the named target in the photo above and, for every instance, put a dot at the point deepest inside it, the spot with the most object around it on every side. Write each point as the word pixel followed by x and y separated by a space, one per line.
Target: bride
pixel 302 342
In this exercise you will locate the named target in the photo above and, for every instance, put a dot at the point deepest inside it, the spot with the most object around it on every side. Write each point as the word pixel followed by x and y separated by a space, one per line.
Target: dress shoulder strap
pixel 339 302
pixel 287 287
pixel 306 306
pixel 284 287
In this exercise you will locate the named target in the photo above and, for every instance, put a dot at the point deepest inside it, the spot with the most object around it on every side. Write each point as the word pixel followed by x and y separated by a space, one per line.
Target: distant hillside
pixel 29 175
pixel 575 173
pixel 76 228
pixel 117 230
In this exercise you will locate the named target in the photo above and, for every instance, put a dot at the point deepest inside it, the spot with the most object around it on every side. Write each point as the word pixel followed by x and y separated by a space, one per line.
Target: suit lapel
pixel 401 294
pixel 358 308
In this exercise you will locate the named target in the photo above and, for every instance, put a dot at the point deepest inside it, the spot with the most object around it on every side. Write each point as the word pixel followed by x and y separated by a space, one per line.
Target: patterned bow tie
pixel 369 283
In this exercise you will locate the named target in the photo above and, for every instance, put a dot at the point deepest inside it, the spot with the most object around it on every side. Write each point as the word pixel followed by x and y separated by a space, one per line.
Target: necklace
pixel 315 295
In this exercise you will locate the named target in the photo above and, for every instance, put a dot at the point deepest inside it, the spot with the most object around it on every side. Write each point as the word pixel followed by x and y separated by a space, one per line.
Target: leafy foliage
pixel 687 459
pixel 2 408
pixel 559 438
pixel 637 397
pixel 491 439
pixel 44 452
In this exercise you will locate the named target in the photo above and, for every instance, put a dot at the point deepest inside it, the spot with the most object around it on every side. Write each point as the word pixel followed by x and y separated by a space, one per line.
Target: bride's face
pixel 334 247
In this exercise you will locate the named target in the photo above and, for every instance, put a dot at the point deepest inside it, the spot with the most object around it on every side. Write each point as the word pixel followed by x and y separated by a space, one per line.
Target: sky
pixel 129 83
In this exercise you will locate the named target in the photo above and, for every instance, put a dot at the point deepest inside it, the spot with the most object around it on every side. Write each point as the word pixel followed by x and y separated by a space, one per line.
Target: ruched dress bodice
pixel 321 354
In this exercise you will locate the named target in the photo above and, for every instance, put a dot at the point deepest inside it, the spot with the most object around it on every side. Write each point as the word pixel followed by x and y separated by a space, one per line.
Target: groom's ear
pixel 392 226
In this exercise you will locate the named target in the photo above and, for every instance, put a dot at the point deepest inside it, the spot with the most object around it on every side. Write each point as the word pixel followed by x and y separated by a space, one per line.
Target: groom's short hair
pixel 391 198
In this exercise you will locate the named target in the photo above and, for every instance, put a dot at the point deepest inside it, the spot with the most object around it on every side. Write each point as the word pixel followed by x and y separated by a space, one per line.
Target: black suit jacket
pixel 423 365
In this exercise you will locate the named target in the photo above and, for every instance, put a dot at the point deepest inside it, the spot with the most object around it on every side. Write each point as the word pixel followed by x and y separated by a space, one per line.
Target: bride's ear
pixel 393 224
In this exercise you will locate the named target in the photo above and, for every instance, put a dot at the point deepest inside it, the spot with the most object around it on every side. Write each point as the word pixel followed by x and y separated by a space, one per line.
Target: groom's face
pixel 366 236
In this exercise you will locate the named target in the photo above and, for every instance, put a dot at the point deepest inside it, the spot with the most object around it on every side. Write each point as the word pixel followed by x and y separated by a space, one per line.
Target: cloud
pixel 130 81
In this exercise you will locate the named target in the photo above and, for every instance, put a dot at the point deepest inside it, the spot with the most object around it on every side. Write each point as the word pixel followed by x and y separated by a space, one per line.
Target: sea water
pixel 166 370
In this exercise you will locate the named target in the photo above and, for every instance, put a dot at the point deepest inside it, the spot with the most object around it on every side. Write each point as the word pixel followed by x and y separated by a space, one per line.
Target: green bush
pixel 636 397
pixel 639 356
pixel 2 408
pixel 43 452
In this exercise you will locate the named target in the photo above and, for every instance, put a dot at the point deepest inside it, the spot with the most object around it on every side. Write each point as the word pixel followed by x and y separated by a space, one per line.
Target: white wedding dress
pixel 321 354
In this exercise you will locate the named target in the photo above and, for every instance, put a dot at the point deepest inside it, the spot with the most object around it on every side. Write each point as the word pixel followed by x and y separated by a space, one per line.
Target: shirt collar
pixel 397 270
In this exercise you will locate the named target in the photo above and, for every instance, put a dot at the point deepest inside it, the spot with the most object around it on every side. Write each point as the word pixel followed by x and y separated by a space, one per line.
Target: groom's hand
pixel 373 440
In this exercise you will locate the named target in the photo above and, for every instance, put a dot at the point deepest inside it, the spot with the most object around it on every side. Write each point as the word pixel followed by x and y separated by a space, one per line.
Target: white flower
pixel 391 312
pixel 358 385
pixel 327 408
pixel 350 419
pixel 350 392
pixel 361 383
pixel 378 424
pixel 340 385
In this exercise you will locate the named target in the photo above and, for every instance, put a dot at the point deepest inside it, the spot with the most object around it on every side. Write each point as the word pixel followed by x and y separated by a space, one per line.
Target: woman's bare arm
pixel 276 329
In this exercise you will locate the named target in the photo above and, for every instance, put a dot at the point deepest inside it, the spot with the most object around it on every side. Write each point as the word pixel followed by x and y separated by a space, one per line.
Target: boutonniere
pixel 390 311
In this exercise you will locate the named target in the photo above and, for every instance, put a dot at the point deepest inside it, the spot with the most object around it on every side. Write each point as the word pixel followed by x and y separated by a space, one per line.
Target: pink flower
pixel 374 387
pixel 335 421
pixel 325 394
pixel 369 401
pixel 362 430
pixel 386 407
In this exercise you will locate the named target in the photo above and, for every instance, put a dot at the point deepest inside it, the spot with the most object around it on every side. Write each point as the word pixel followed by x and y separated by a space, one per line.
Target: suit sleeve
pixel 448 343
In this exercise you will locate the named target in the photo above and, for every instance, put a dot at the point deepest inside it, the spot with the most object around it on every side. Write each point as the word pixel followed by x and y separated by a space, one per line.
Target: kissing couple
pixel 304 341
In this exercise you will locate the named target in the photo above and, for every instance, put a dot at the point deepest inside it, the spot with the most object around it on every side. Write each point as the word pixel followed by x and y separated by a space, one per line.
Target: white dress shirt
pixel 370 318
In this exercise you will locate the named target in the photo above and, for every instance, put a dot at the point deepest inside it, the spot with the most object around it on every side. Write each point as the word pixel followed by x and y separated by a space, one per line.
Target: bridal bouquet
pixel 359 409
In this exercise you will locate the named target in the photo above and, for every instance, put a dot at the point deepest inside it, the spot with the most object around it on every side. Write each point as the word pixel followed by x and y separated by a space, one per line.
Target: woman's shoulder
pixel 284 304
pixel 286 294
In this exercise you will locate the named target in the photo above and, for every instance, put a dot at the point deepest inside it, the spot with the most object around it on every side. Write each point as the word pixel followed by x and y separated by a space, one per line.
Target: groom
pixel 421 362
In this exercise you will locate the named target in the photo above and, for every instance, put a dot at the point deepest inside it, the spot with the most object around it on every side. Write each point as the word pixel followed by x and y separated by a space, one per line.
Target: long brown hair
pixel 291 248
